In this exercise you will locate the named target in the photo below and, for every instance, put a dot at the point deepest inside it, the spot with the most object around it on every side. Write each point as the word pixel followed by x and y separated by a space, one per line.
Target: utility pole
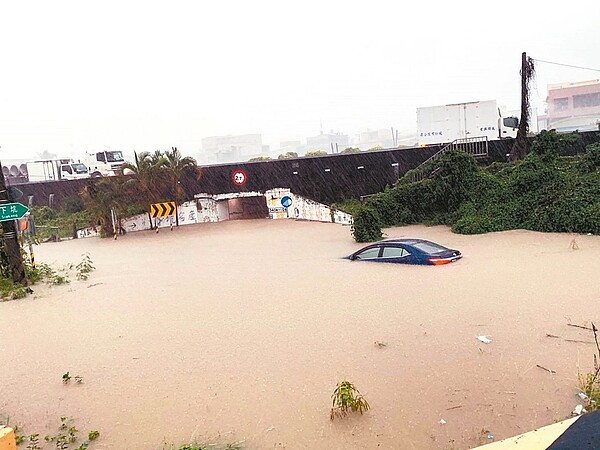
pixel 13 250
pixel 521 144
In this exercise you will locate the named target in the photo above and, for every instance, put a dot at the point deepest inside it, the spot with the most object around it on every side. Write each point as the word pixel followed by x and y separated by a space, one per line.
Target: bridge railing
pixel 477 147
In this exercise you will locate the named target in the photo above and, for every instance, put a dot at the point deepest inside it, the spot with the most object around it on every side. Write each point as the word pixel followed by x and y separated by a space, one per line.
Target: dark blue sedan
pixel 407 251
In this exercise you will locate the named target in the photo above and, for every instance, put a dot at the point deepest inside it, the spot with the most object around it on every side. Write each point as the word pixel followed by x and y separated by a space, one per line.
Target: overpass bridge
pixel 326 179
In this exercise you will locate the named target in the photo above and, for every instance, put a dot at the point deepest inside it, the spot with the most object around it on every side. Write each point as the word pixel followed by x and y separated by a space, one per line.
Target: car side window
pixel 394 252
pixel 370 253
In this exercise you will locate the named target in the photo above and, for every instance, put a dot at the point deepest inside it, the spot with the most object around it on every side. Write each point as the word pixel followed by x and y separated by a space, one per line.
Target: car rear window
pixel 429 247
pixel 394 252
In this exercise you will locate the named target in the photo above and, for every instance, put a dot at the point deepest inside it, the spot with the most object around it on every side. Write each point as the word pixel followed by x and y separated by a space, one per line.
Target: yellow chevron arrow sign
pixel 162 209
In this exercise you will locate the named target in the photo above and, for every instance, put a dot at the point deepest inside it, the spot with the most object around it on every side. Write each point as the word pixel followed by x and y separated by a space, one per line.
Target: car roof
pixel 402 241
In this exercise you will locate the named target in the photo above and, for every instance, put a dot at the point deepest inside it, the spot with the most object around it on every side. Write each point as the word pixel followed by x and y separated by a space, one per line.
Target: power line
pixel 566 65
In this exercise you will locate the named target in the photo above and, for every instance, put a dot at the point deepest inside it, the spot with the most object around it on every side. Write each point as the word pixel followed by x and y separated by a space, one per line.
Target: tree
pixel 149 181
pixel 178 166
pixel 102 195
pixel 348 150
pixel 260 158
pixel 315 153
pixel 288 155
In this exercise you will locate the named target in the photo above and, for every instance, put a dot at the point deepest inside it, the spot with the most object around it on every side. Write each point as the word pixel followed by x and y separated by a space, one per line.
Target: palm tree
pixel 178 166
pixel 100 196
pixel 148 181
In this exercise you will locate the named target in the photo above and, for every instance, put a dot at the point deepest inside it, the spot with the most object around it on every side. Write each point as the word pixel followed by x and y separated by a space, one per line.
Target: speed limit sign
pixel 239 177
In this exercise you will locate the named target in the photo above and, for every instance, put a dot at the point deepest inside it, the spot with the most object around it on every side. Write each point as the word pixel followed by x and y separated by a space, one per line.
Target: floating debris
pixel 484 339
pixel 544 368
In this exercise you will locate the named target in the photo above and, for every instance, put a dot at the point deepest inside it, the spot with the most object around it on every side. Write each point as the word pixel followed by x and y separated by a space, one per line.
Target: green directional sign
pixel 12 211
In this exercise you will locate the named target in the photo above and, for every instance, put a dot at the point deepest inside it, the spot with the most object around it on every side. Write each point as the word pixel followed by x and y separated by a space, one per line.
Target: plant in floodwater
pixel 19 437
pixel 346 398
pixel 590 382
pixel 65 439
pixel 34 442
pixel 199 446
pixel 48 274
pixel 93 435
pixel 85 267
pixel 72 434
pixel 62 442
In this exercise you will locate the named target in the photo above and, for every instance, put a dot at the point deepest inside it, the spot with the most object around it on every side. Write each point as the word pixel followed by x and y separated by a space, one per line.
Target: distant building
pixel 573 106
pixel 375 138
pixel 231 148
pixel 331 143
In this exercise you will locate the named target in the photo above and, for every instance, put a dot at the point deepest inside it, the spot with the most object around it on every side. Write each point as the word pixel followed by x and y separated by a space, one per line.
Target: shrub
pixel 366 226
pixel 543 192
pixel 73 204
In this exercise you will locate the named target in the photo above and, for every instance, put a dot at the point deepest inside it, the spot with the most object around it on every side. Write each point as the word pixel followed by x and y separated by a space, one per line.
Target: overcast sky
pixel 127 75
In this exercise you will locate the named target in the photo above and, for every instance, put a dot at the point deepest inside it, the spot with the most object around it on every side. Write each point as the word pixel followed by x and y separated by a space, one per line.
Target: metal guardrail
pixel 364 197
pixel 475 146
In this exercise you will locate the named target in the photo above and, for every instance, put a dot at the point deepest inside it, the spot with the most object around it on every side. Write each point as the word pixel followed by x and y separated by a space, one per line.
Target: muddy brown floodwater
pixel 239 331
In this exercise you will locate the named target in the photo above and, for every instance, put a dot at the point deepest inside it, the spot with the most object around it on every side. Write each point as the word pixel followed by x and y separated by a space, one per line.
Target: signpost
pixel 239 177
pixel 13 249
pixel 12 211
pixel 286 201
pixel 160 210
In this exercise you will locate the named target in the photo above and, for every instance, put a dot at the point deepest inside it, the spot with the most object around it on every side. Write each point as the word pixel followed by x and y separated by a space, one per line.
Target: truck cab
pixel 106 163
pixel 72 170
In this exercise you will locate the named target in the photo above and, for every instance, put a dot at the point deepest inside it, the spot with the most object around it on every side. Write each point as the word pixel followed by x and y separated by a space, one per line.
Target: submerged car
pixel 407 251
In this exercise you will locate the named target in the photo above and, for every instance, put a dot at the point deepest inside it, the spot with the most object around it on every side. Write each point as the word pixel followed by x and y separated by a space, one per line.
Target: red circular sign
pixel 239 177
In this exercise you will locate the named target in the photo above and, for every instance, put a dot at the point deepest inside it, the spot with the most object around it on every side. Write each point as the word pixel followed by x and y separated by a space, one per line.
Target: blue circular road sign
pixel 286 201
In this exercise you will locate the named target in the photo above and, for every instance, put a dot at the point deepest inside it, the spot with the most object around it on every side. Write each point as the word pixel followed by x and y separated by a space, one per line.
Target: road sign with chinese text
pixel 12 211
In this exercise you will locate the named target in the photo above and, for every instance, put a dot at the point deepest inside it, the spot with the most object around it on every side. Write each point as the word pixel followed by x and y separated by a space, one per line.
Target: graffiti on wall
pixel 276 210
pixel 87 232
pixel 302 208
pixel 187 213
pixel 207 210
pixel 138 222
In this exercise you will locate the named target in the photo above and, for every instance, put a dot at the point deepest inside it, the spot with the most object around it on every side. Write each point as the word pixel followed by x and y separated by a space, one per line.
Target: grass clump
pixel 345 399
pixel 43 272
pixel 590 382
pixel 199 446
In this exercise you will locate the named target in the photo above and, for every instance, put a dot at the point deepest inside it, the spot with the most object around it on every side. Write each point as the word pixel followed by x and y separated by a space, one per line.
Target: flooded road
pixel 239 332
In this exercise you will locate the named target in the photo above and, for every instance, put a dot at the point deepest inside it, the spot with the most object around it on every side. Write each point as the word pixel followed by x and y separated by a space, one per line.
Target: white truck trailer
pixel 446 123
pixel 105 164
pixel 55 170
